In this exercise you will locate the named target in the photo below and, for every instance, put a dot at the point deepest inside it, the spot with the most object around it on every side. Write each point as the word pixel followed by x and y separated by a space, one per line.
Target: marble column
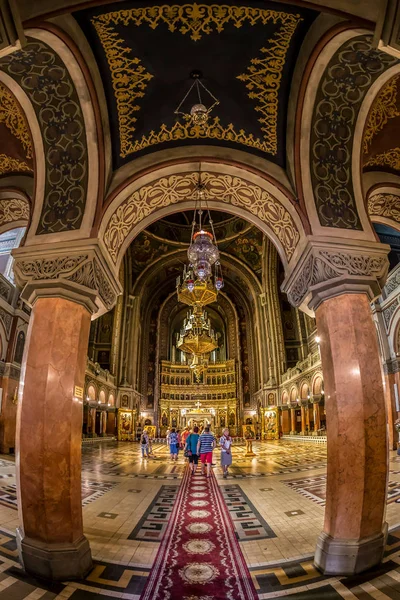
pixel 93 422
pixel 392 380
pixel 317 416
pixel 48 459
pixel 303 419
pixel 307 408
pixel 292 420
pixel 104 422
pixel 354 532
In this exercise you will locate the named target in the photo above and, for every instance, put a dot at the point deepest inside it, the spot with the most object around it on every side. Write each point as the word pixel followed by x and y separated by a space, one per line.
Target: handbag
pixel 187 452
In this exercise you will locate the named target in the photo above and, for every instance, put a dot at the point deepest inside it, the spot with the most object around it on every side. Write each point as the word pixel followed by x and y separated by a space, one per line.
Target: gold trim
pixel 383 109
pixel 178 188
pixel 384 205
pixel 130 78
pixel 10 165
pixel 390 158
pixel 263 80
pixel 13 118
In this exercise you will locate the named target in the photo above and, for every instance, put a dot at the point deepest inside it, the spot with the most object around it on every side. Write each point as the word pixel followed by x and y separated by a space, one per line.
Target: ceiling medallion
pixel 197 114
pixel 197 288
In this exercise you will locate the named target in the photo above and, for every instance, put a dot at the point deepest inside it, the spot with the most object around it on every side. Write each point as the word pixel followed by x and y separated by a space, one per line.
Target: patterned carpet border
pixel 199 556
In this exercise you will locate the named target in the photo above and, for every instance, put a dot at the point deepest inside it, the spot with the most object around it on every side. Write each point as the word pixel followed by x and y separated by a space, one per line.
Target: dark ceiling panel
pixel 146 53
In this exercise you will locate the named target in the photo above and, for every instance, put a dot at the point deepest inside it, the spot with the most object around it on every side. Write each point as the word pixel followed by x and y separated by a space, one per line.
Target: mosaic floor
pixel 276 502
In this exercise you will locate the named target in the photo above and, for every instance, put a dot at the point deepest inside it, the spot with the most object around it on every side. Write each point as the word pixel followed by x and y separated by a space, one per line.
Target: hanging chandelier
pixel 198 287
pixel 197 114
pixel 198 339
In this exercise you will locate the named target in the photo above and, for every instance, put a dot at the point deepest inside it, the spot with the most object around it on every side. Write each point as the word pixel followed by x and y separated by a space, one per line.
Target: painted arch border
pixel 218 169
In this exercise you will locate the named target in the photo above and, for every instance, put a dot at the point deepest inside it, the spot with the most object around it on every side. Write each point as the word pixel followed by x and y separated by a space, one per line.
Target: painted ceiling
pixel 246 53
pixel 381 147
pixel 235 236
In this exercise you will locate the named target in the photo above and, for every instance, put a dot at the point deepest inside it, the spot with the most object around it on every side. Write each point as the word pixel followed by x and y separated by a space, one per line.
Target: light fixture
pixel 317 339
pixel 197 114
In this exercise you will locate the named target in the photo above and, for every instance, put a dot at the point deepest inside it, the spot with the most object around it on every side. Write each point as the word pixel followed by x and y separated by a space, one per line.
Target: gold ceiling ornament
pixel 390 158
pixel 227 189
pixel 384 205
pixel 197 114
pixel 214 130
pixel 13 118
pixel 383 109
pixel 263 80
pixel 13 165
pixel 130 79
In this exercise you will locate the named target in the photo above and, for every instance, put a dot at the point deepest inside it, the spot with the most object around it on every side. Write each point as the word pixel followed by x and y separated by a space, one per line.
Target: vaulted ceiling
pixel 246 54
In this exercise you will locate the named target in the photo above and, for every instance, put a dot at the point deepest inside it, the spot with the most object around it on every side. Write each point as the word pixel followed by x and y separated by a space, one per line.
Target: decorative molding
pixel 74 272
pixel 383 109
pixel 130 78
pixel 14 209
pixel 8 164
pixel 6 319
pixel 392 282
pixel 335 270
pixel 13 118
pixel 385 205
pixel 39 71
pixel 178 188
pixel 342 88
pixel 389 311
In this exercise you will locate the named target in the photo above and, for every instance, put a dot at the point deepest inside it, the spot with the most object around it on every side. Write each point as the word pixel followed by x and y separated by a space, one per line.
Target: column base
pixel 348 557
pixel 55 562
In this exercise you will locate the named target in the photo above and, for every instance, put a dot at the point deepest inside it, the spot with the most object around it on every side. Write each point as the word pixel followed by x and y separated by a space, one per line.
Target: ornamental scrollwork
pixel 14 209
pixel 82 269
pixel 130 78
pixel 226 189
pixel 388 313
pixel 390 158
pixel 8 164
pixel 383 109
pixel 6 319
pixel 328 264
pixel 346 80
pixel 45 79
pixel 384 205
pixel 13 118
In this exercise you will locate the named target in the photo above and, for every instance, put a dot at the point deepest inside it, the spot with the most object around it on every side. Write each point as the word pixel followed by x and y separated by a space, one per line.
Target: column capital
pixel 330 268
pixel 78 273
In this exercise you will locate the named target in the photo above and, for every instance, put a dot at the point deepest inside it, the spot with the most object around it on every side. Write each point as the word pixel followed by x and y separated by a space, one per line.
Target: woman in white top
pixel 225 443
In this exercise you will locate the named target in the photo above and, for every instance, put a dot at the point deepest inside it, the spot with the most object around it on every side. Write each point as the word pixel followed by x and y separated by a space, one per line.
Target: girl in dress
pixel 226 451
pixel 172 442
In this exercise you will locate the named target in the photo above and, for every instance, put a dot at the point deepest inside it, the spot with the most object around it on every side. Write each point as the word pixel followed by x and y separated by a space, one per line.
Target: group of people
pixel 200 446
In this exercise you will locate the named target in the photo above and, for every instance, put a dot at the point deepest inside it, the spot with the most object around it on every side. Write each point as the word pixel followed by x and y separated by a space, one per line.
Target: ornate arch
pixel 231 189
pixel 64 130
pixel 339 94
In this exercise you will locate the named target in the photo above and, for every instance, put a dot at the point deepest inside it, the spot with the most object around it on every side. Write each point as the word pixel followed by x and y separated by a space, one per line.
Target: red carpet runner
pixel 199 557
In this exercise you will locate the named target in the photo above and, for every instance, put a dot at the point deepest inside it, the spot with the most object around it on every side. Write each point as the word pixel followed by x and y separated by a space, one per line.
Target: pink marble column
pixel 354 531
pixel 49 423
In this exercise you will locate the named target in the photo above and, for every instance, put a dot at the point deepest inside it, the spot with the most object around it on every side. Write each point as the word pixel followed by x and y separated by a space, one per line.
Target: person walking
pixel 144 444
pixel 172 442
pixel 184 436
pixel 191 449
pixel 205 447
pixel 225 443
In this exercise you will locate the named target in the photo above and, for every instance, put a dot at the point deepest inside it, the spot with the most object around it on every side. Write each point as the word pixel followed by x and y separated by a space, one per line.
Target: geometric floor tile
pixel 152 525
pixel 249 524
